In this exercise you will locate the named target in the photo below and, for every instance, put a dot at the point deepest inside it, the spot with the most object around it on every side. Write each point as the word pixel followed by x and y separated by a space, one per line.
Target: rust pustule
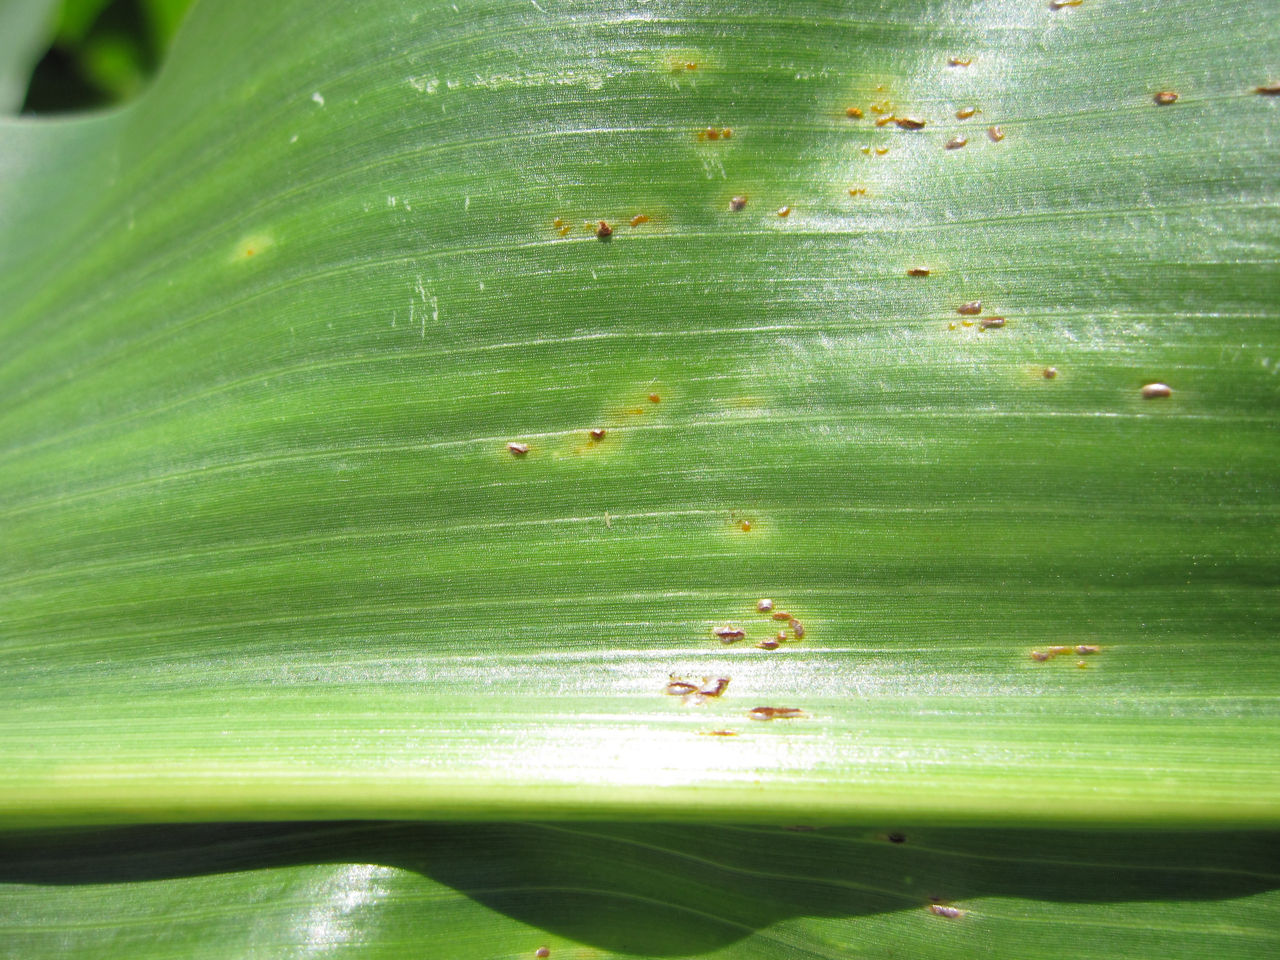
pixel 774 713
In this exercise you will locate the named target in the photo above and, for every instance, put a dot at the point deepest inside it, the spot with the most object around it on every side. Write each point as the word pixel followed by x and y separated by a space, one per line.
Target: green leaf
pixel 609 890
pixel 270 328
pixel 24 28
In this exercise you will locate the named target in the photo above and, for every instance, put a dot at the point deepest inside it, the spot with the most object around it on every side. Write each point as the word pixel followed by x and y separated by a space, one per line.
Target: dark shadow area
pixel 98 58
pixel 634 887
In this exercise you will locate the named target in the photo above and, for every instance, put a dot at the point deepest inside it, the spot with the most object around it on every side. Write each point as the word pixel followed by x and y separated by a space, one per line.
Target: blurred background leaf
pixel 102 52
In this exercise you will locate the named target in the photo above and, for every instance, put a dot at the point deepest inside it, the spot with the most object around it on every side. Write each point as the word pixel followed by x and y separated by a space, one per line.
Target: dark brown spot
pixel 597 433
pixel 518 449
pixel 941 910
pixel 638 219
pixel 955 143
pixel 797 628
pixel 604 231
pixel 775 713
pixel 1155 391
pixel 917 271
pixel 970 309
pixel 995 133
pixel 714 687
pixel 959 61
pixel 680 688
pixel 1050 373
pixel 1086 648
pixel 989 323
pixel 897 838
pixel 910 123
pixel 1165 97
pixel 1268 90
pixel 737 203
pixel 854 112
pixel 964 113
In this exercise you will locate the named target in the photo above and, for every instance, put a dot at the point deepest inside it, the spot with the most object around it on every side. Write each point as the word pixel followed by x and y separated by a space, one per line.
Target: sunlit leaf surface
pixel 270 330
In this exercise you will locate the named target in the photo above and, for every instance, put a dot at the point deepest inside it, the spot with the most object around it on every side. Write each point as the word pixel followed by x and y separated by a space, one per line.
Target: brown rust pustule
pixel 737 203
pixel 1156 391
pixel 917 271
pixel 714 687
pixel 603 230
pixel 970 309
pixel 910 123
pixel 1165 97
pixel 955 143
pixel 992 323
pixel 775 713
pixel 995 134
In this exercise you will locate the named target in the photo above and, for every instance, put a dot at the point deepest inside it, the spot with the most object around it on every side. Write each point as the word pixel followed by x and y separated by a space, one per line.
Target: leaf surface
pixel 270 330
